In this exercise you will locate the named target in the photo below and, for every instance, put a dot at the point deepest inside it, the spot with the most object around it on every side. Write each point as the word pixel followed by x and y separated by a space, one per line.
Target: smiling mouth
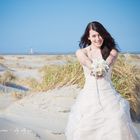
pixel 98 42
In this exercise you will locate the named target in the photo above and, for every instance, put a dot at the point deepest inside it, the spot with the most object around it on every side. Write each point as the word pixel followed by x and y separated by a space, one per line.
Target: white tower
pixel 31 51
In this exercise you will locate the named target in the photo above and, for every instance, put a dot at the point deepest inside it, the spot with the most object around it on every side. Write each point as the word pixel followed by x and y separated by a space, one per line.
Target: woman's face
pixel 95 38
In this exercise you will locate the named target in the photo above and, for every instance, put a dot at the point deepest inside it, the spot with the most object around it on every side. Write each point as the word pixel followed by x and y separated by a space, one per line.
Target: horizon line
pixel 59 53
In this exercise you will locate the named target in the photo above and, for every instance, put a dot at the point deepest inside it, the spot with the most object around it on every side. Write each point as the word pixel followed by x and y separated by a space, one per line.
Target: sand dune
pixel 45 114
pixel 42 116
pixel 11 130
pixel 38 116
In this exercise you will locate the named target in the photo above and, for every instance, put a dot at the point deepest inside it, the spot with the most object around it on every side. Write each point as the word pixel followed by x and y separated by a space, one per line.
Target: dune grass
pixel 6 77
pixel 2 58
pixel 125 78
pixel 58 76
pixel 18 95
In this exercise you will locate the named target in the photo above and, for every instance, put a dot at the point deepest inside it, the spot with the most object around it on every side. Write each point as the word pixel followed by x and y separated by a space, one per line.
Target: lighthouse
pixel 31 51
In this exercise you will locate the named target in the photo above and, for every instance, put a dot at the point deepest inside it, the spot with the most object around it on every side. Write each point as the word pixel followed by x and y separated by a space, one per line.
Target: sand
pixel 42 115
pixel 37 116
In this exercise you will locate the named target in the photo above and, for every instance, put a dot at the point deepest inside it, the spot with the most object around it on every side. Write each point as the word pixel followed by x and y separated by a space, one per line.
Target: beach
pixel 31 114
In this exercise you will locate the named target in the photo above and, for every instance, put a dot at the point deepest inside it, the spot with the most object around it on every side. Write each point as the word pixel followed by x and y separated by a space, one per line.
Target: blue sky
pixel 57 25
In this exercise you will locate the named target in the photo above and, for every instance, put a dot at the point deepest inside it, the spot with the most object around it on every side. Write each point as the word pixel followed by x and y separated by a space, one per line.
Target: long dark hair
pixel 108 44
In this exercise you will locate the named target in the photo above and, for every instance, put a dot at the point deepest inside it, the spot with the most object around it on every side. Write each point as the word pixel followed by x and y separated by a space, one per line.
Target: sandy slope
pixel 28 66
pixel 45 114
pixel 37 116
pixel 42 116
pixel 11 131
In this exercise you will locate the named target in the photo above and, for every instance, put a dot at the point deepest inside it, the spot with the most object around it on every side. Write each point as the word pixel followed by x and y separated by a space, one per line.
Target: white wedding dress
pixel 100 113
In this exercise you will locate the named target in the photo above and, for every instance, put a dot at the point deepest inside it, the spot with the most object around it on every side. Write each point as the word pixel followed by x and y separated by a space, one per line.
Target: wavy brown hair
pixel 108 44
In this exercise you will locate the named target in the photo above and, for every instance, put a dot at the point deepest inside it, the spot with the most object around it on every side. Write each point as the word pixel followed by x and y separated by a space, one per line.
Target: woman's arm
pixel 112 57
pixel 83 58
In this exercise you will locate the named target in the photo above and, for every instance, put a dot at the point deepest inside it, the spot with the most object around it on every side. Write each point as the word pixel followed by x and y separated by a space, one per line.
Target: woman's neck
pixel 92 47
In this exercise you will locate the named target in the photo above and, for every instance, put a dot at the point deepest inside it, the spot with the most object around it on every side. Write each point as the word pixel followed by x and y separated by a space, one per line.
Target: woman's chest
pixel 96 53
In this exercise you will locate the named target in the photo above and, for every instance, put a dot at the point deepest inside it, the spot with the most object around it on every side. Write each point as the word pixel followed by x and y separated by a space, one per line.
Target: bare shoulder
pixel 83 50
pixel 114 53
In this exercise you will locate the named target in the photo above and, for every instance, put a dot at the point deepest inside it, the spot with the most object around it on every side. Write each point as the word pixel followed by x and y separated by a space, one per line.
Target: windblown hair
pixel 108 44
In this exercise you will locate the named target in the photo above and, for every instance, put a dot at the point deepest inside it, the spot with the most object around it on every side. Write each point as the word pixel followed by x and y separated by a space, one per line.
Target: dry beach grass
pixel 125 76
pixel 53 82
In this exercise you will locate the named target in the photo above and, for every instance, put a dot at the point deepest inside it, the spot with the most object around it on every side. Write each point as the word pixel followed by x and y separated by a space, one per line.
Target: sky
pixel 56 26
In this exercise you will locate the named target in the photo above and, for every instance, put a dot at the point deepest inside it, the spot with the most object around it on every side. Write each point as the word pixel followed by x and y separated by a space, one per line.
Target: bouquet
pixel 99 68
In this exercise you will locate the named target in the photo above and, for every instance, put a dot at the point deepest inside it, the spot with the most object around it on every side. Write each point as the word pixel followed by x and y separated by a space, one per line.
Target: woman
pixel 99 113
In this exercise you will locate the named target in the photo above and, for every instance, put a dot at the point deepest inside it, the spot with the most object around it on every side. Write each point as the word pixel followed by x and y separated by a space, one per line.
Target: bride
pixel 99 113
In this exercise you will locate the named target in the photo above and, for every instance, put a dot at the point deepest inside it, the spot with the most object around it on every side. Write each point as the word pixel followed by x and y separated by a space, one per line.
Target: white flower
pixel 100 67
